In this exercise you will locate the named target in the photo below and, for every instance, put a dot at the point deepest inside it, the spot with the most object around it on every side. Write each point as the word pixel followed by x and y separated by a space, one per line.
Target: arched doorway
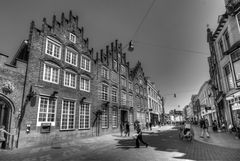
pixel 6 111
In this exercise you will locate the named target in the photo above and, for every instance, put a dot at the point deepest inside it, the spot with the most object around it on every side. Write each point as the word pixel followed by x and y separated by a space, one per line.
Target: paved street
pixel 164 145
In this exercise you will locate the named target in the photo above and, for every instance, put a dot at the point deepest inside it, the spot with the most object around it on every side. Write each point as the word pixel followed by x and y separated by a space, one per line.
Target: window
pixel 115 65
pixel 229 77
pixel 130 117
pixel 53 48
pixel 123 70
pixel 46 110
pixel 236 65
pixel 114 118
pixel 114 94
pixel 72 38
pixel 51 73
pixel 103 92
pixel 71 57
pixel 123 82
pixel 123 98
pixel 130 86
pixel 104 119
pixel 84 116
pixel 85 84
pixel 227 41
pixel 104 73
pixel 85 64
pixel 136 89
pixel 114 77
pixel 130 100
pixel 238 19
pixel 70 79
pixel 221 49
pixel 68 115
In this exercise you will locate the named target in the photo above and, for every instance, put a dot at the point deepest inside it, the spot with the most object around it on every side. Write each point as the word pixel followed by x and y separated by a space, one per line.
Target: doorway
pixel 5 119
pixel 124 116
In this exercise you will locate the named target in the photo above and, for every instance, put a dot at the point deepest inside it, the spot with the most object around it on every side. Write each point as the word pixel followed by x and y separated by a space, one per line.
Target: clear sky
pixel 171 42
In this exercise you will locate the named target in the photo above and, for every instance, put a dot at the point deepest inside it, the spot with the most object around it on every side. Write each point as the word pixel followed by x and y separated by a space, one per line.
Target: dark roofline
pixel 4 55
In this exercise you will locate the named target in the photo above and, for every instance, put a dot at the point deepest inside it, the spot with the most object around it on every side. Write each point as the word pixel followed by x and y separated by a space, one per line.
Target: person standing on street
pixel 139 137
pixel 204 123
pixel 127 129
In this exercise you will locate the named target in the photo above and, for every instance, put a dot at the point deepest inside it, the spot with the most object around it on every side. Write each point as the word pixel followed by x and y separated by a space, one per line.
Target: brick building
pixel 58 87
pixel 140 97
pixel 12 79
pixel 115 89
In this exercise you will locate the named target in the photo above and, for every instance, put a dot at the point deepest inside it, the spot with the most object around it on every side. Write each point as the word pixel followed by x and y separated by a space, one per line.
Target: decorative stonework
pixel 8 87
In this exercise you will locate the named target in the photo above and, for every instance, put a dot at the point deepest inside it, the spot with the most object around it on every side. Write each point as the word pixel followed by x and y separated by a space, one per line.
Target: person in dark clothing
pixel 139 137
pixel 127 129
pixel 150 125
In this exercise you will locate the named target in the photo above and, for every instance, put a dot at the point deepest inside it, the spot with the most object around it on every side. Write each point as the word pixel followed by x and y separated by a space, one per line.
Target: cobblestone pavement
pixel 164 145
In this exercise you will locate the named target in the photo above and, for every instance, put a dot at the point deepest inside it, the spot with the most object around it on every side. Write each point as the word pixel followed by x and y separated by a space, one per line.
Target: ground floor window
pixel 46 110
pixel 68 115
pixel 104 119
pixel 114 118
pixel 84 116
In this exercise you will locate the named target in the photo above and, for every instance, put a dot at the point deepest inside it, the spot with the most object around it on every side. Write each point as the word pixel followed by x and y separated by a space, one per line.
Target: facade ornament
pixel 8 87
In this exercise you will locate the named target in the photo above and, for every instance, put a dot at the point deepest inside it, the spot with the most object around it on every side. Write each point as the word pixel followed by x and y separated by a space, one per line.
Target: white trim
pixel 74 36
pixel 51 70
pixel 72 51
pixel 68 114
pixel 86 58
pixel 55 44
pixel 84 115
pixel 89 84
pixel 70 77
pixel 40 122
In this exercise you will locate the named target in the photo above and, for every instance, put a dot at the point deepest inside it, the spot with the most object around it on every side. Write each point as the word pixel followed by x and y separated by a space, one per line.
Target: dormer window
pixel 72 38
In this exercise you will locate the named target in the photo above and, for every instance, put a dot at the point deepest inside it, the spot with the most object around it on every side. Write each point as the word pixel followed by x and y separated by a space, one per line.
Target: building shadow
pixel 169 142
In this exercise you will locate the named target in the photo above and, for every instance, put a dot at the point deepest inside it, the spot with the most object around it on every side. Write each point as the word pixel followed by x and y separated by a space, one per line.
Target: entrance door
pixel 5 118
pixel 124 116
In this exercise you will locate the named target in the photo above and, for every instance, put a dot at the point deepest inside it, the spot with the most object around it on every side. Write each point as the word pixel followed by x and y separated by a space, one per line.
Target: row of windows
pixel 51 73
pixel 114 78
pixel 48 108
pixel 104 95
pixel 54 49
pixel 153 105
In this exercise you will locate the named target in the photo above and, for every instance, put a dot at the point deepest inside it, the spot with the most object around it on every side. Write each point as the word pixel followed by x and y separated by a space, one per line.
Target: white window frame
pixel 105 72
pixel 116 94
pixel 72 37
pixel 47 109
pixel 84 67
pixel 123 97
pixel 68 114
pixel 85 78
pixel 55 43
pixel 84 115
pixel 101 92
pixel 70 79
pixel 104 119
pixel 51 72
pixel 71 52
pixel 114 117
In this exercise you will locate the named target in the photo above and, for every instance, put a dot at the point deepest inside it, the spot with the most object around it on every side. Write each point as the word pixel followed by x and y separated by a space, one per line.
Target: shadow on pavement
pixel 169 141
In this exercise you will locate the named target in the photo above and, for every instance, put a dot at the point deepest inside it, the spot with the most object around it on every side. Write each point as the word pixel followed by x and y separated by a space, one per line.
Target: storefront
pixel 234 102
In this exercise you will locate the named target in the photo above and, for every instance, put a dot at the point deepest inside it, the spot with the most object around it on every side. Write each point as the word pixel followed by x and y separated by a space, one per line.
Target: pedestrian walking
pixel 204 124
pixel 150 125
pixel 139 137
pixel 127 128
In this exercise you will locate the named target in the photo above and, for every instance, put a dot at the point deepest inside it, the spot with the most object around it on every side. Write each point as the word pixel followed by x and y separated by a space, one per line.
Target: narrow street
pixel 164 144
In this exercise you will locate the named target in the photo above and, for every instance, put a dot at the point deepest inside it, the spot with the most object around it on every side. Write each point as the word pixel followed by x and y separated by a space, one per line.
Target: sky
pixel 170 42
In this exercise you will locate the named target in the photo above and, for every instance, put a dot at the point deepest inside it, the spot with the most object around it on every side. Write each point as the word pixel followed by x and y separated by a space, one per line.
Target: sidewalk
pixel 223 139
